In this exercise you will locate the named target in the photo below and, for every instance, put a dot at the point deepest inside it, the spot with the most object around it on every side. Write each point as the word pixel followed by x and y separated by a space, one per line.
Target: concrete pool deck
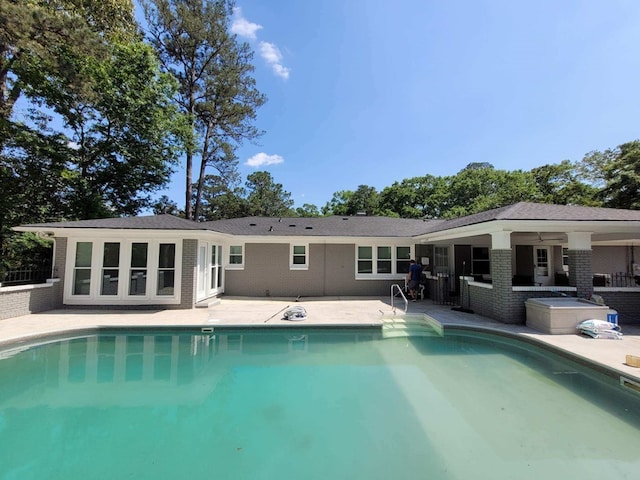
pixel 325 311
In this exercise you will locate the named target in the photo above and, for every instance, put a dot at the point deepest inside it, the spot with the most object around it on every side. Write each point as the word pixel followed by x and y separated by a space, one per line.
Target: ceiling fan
pixel 550 239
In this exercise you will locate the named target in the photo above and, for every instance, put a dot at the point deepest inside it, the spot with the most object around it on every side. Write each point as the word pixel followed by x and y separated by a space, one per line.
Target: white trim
pixel 235 266
pixel 393 275
pixel 298 266
pixel 122 297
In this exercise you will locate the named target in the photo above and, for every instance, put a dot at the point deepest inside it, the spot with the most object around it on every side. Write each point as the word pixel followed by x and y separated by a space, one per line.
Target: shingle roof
pixel 539 211
pixel 351 226
pixel 336 226
pixel 153 222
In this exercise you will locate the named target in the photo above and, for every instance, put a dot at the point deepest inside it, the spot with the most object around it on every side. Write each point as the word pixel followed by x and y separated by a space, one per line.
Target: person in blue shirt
pixel 413 279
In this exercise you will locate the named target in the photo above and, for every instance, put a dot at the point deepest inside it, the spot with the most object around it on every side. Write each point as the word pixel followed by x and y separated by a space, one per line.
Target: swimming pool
pixel 309 404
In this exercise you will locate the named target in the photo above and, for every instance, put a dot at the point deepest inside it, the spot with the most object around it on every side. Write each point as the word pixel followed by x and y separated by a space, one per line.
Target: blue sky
pixel 368 92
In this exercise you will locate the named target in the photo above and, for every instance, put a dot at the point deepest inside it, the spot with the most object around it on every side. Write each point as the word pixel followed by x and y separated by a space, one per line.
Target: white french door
pixel 210 280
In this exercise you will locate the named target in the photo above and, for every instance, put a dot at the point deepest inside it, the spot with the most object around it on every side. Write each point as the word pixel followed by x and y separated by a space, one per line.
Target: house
pixel 493 260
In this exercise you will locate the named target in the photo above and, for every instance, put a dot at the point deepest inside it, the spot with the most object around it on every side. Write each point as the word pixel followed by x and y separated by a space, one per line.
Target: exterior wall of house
pixel 611 259
pixel 59 267
pixel 331 272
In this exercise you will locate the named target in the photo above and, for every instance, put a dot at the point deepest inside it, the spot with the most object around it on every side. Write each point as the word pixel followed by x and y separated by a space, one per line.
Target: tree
pixel 417 197
pixel 338 205
pixel 37 37
pixel 560 184
pixel 346 202
pixel 621 172
pixel 222 198
pixel 475 190
pixel 165 206
pixel 307 210
pixel 125 133
pixel 266 198
pixel 216 90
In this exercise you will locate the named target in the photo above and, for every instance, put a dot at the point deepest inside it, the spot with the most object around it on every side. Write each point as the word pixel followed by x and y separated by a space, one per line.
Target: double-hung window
pixel 166 269
pixel 110 270
pixel 82 268
pixel 299 257
pixel 236 256
pixel 382 260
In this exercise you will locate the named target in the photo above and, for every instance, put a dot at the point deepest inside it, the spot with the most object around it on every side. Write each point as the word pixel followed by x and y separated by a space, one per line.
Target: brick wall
pixel 581 272
pixel 189 270
pixel 23 300
pixel 626 303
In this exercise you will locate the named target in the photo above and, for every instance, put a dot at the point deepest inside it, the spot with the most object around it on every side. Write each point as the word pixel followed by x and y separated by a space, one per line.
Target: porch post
pixel 501 277
pixel 580 263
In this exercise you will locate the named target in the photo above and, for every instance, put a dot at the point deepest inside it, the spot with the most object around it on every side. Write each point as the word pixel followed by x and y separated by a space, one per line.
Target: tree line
pixel 602 179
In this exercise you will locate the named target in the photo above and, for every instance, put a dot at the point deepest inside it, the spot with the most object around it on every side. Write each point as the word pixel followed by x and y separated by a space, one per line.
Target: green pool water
pixel 309 404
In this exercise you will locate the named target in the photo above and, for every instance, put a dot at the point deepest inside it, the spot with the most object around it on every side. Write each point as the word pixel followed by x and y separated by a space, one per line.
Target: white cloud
pixel 271 54
pixel 243 27
pixel 261 159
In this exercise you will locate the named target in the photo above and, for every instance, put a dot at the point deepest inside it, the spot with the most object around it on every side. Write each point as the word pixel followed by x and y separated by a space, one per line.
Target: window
pixel 166 268
pixel 107 271
pixel 382 260
pixel 235 255
pixel 110 264
pixel 299 257
pixel 441 260
pixel 82 268
pixel 138 271
pixel 480 261
pixel 216 266
pixel 542 261
pixel 403 255
pixel 365 259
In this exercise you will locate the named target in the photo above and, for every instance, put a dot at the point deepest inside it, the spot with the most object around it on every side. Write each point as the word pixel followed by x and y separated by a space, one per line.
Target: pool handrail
pixel 406 302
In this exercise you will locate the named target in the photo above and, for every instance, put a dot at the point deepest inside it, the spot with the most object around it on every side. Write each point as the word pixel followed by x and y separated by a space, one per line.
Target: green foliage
pixel 560 184
pixel 216 88
pixel 621 171
pixel 26 250
pixel 307 210
pixel 222 199
pixel 267 198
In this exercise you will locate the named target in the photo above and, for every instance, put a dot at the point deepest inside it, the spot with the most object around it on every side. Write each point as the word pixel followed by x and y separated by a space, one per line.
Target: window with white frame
pixel 121 271
pixel 299 257
pixel 110 268
pixel 382 260
pixel 236 257
pixel 82 268
pixel 166 269
pixel 138 270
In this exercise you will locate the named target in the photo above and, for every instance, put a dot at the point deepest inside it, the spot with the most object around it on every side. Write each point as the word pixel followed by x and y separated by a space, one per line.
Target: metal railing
pixel 25 276
pixel 400 293
pixel 616 280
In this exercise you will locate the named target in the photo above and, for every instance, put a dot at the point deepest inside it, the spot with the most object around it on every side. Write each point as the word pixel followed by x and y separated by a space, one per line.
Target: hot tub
pixel 562 315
